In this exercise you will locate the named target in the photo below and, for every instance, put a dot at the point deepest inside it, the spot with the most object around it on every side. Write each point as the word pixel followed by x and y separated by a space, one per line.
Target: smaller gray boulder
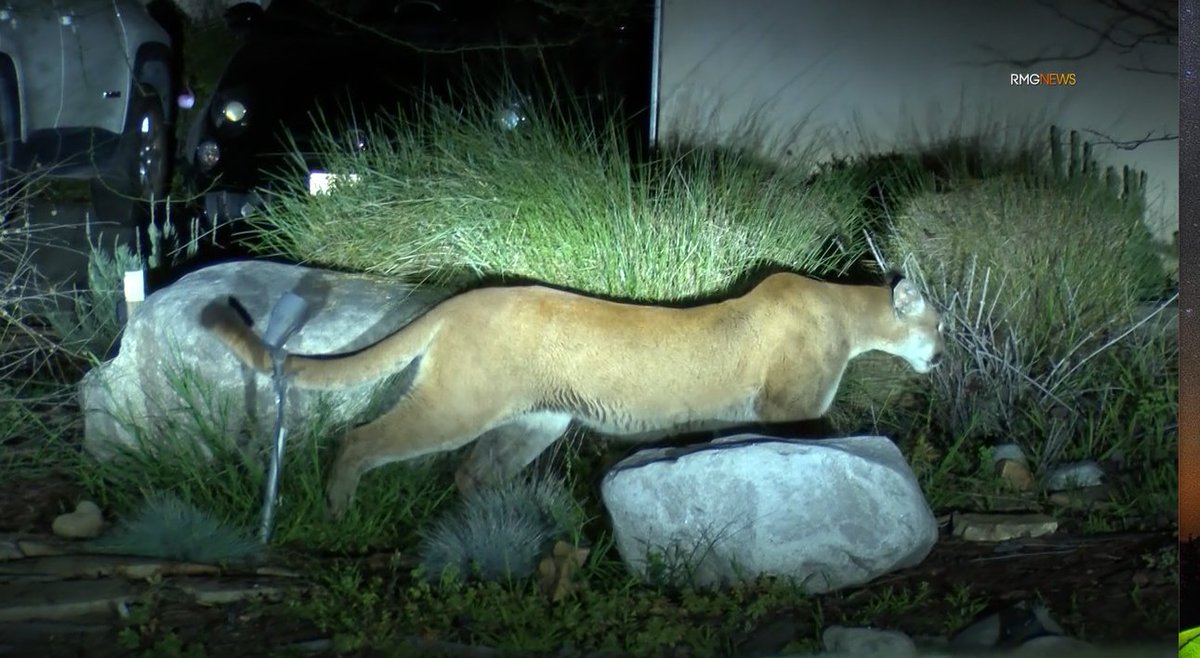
pixel 832 513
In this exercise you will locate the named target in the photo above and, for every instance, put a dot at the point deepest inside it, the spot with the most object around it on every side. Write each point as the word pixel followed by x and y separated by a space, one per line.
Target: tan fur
pixel 511 367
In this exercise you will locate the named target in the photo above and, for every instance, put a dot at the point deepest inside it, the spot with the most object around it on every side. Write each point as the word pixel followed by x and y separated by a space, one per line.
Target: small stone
pixel 1008 452
pixel 999 527
pixel 1015 474
pixel 867 642
pixel 1075 475
pixel 84 523
pixel 1005 629
pixel 38 548
pixel 10 550
pixel 1054 645
pixel 980 633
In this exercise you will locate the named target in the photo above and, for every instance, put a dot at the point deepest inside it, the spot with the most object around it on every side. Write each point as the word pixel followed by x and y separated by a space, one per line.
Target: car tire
pixel 138 176
pixel 142 164
pixel 9 135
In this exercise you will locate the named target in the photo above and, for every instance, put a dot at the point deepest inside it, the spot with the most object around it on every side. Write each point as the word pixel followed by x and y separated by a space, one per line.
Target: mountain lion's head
pixel 917 331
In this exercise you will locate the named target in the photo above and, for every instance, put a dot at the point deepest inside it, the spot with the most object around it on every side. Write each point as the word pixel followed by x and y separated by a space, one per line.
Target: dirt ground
pixel 1104 588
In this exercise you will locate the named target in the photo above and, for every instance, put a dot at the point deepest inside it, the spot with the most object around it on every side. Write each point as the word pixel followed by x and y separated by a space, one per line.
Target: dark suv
pixel 299 60
pixel 86 92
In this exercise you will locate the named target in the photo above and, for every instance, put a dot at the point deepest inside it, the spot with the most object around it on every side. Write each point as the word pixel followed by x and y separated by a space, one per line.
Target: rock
pixel 42 548
pixel 1075 475
pixel 10 550
pixel 832 513
pixel 1054 645
pixel 126 398
pixel 1010 464
pixel 1015 474
pixel 1007 628
pixel 867 642
pixel 1000 527
pixel 67 599
pixel 84 523
pixel 770 637
pixel 1085 498
pixel 1008 452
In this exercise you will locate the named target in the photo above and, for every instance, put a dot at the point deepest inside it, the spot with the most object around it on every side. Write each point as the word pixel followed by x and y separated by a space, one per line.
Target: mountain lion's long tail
pixel 386 357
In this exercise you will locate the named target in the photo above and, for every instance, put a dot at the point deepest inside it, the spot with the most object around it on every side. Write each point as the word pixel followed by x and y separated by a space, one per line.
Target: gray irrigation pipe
pixel 286 318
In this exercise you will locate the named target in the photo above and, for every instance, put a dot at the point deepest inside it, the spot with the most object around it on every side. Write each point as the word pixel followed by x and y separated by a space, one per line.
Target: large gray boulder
pixel 831 513
pixel 173 380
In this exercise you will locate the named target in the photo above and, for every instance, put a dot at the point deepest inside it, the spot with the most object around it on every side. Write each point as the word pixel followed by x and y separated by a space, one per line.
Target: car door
pixel 94 67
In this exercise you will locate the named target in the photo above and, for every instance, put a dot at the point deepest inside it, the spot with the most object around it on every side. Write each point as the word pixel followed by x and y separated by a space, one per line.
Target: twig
pixel 1131 144
pixel 1121 336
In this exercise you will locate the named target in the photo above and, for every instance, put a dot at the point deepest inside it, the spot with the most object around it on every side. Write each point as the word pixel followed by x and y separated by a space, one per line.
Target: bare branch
pixel 1133 24
pixel 1129 145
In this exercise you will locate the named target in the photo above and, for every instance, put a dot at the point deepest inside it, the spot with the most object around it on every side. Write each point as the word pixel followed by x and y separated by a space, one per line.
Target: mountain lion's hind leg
pixel 504 451
pixel 411 429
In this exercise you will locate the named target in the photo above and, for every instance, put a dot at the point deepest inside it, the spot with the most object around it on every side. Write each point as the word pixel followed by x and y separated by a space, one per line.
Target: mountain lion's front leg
pixel 504 451
pixel 411 429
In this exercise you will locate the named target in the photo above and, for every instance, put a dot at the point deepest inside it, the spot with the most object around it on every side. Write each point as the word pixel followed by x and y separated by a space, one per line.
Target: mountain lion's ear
pixel 907 301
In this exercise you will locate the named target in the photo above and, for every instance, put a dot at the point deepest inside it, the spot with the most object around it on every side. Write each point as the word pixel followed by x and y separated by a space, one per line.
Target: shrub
pixel 1041 286
pixel 458 201
pixel 167 527
pixel 500 532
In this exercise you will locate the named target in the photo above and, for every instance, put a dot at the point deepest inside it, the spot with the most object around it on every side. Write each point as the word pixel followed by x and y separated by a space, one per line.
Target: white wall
pixel 869 74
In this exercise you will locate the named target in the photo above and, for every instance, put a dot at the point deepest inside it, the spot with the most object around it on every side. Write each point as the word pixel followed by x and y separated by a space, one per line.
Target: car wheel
pixel 144 152
pixel 139 174
pixel 9 135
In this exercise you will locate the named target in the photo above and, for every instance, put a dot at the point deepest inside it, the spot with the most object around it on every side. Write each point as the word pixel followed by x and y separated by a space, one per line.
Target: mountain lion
pixel 510 367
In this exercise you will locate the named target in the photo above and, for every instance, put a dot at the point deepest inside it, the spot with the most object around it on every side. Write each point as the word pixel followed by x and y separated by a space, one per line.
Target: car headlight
pixel 226 113
pixel 233 112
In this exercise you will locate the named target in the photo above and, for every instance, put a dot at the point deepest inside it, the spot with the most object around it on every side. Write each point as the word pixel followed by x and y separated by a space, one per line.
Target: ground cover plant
pixel 1047 343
